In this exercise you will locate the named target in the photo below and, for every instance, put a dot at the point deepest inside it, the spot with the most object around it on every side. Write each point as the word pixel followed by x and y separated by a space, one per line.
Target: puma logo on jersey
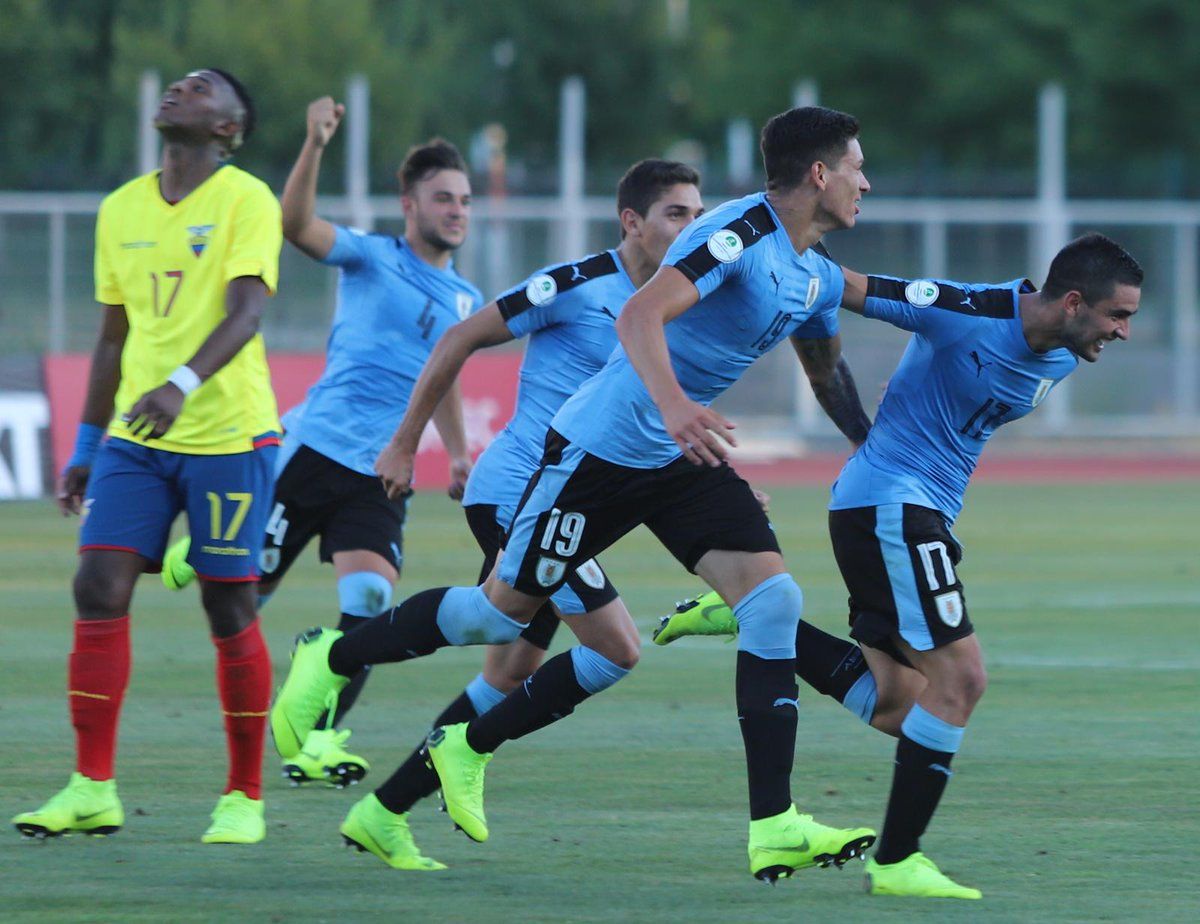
pixel 980 365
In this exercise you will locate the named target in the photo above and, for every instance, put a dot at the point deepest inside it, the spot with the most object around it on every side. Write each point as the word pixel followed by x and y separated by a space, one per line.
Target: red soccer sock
pixel 244 682
pixel 97 675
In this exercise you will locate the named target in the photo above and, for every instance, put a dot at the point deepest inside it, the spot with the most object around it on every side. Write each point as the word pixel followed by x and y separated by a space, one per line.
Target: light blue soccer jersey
pixel 755 290
pixel 392 307
pixel 568 313
pixel 967 370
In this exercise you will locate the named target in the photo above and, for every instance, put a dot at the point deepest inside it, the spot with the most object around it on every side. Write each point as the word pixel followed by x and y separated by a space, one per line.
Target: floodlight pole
pixel 808 411
pixel 571 163
pixel 1054 229
pixel 149 93
pixel 358 133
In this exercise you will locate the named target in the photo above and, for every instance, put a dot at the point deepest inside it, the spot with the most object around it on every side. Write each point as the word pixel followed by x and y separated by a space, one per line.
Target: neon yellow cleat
pixel 707 614
pixel 309 690
pixel 371 827
pixel 460 769
pixel 323 759
pixel 237 819
pixel 176 572
pixel 917 876
pixel 789 841
pixel 84 806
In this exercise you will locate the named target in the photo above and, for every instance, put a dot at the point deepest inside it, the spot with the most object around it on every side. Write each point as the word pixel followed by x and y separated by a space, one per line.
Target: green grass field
pixel 1074 798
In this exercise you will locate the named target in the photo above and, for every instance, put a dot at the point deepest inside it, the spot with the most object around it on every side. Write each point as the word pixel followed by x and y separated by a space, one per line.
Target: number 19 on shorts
pixel 563 533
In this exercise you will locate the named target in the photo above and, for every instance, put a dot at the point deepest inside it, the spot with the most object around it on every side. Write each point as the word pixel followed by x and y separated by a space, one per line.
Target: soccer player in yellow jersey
pixel 185 260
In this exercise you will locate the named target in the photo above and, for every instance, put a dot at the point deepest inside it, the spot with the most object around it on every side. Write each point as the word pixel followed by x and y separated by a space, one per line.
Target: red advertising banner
pixel 489 385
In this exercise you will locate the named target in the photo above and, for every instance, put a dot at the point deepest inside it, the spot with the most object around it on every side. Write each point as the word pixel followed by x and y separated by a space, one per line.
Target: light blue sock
pixel 927 730
pixel 594 671
pixel 467 617
pixel 861 698
pixel 483 695
pixel 767 618
pixel 364 594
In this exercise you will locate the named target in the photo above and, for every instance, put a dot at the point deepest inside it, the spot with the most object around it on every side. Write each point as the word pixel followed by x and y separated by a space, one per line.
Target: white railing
pixel 1149 387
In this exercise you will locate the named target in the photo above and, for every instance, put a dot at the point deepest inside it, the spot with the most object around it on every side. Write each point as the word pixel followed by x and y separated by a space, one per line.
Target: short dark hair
pixel 645 182
pixel 1092 265
pixel 249 112
pixel 424 160
pixel 793 141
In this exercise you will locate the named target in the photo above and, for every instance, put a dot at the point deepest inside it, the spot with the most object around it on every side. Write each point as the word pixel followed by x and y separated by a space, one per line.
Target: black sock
pixel 407 631
pixel 550 694
pixel 413 780
pixel 767 712
pixel 918 782
pixel 350 692
pixel 828 664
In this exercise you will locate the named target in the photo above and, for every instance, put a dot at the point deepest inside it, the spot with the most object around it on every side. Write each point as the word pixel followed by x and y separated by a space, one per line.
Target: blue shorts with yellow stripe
pixel 136 491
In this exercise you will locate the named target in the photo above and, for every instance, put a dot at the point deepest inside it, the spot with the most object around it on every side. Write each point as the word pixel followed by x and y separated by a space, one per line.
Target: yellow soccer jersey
pixel 169 265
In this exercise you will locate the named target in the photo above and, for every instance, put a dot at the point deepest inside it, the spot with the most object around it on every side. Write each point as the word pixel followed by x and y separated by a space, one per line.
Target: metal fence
pixel 1149 387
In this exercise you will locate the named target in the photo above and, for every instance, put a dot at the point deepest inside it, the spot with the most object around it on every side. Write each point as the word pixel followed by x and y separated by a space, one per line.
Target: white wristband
pixel 184 379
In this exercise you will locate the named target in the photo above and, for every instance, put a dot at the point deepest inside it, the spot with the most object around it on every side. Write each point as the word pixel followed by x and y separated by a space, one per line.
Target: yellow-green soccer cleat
pixel 309 690
pixel 460 769
pixel 237 819
pixel 789 841
pixel 707 614
pixel 322 759
pixel 176 572
pixel 371 827
pixel 84 806
pixel 915 875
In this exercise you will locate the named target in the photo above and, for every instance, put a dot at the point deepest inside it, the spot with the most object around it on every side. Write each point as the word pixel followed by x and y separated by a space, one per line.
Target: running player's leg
pixel 129 507
pixel 767 603
pixel 504 668
pixel 923 615
pixel 363 535
pixel 716 528
pixel 545 543
pixel 609 648
pixel 229 501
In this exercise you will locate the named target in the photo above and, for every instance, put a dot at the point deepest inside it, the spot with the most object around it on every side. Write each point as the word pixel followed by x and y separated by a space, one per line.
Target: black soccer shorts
pixel 577 505
pixel 898 562
pixel 315 495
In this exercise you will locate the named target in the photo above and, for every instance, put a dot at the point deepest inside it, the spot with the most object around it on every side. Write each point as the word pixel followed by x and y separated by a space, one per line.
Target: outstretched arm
pixel 829 374
pixel 697 430
pixel 854 296
pixel 484 328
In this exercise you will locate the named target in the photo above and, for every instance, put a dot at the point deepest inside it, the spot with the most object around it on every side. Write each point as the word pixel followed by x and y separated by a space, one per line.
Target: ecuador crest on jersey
pixel 198 239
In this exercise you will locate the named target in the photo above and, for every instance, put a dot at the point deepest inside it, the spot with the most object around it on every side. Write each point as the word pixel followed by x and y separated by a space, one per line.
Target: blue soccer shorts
pixel 135 492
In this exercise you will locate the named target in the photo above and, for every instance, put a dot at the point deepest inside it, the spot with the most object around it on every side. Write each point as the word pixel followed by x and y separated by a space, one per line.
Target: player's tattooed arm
pixel 833 384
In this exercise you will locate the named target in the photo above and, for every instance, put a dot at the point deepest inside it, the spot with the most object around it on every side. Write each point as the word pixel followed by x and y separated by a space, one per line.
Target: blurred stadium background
pixel 993 134
pixel 994 131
